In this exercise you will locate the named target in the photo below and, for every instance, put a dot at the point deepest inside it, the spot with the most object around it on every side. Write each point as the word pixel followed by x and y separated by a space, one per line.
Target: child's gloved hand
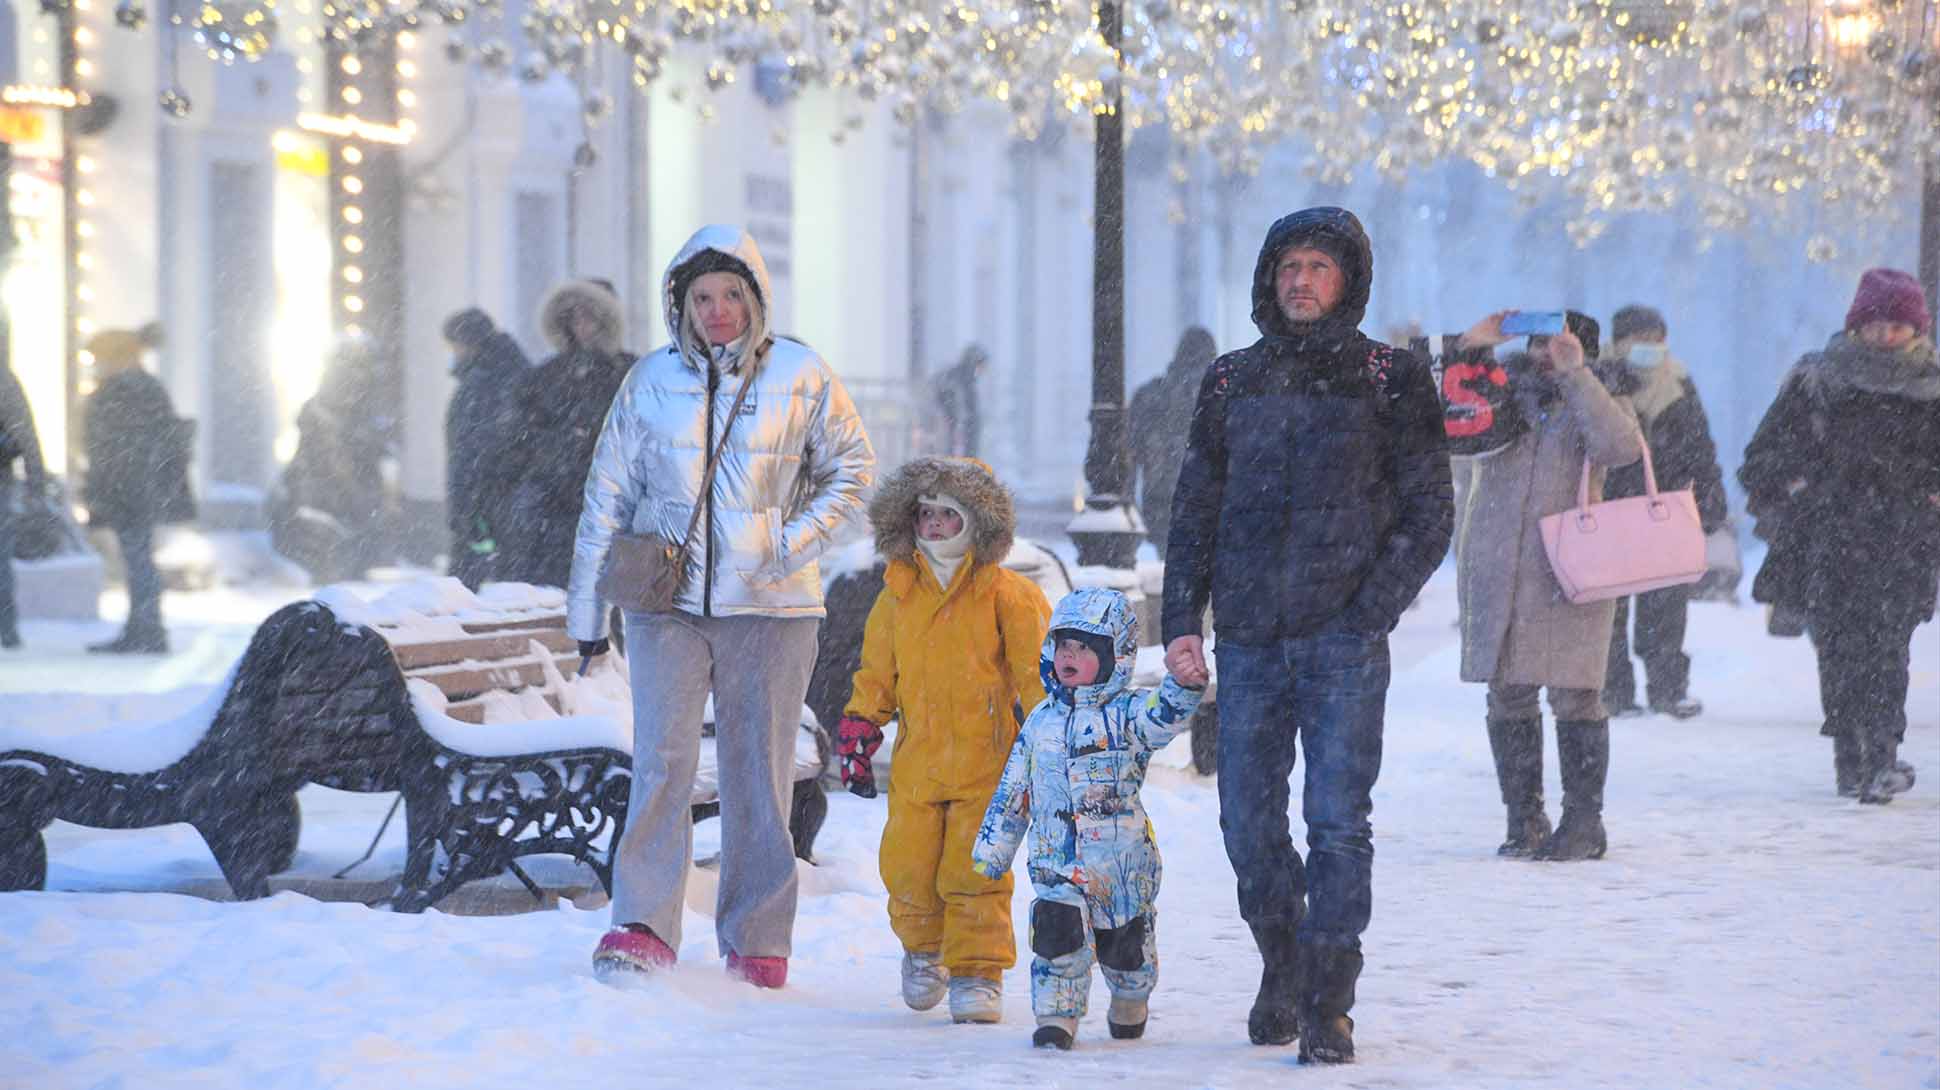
pixel 856 741
pixel 986 870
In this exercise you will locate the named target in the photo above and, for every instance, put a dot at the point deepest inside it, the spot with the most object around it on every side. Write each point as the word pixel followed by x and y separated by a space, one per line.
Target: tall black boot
pixel 1326 1031
pixel 1845 764
pixel 1518 748
pixel 1583 751
pixel 1275 1017
pixel 1881 772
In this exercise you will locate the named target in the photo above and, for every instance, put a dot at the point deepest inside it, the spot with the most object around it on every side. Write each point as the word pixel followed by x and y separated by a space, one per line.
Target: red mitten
pixel 856 741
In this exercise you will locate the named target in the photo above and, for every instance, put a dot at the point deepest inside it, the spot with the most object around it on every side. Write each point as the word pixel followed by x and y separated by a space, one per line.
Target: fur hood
pixel 971 482
pixel 575 293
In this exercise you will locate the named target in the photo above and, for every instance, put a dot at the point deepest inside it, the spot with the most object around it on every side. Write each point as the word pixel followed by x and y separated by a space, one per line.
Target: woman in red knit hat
pixel 1844 477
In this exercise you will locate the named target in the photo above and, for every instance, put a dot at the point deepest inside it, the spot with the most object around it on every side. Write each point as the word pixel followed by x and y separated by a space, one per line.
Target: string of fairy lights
pixel 1745 109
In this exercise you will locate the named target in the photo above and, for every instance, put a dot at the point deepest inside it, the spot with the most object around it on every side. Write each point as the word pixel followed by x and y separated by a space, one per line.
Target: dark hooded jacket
pixel 1314 493
pixel 562 405
pixel 1160 417
pixel 1682 452
pixel 1859 537
pixel 138 453
pixel 479 466
pixel 19 442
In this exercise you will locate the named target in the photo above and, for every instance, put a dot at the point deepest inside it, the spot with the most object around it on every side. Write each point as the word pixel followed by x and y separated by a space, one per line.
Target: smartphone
pixel 1532 323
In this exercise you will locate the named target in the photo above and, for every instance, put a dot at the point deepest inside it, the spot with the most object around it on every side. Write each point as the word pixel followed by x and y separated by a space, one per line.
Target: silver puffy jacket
pixel 794 472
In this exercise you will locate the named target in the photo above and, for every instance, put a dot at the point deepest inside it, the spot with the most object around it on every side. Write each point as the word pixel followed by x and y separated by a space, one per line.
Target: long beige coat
pixel 1516 625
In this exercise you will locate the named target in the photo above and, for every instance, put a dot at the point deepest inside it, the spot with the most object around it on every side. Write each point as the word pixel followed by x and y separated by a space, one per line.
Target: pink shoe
pixel 760 972
pixel 631 948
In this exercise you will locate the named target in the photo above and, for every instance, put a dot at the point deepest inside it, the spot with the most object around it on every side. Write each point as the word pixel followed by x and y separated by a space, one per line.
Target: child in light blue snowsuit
pixel 1074 774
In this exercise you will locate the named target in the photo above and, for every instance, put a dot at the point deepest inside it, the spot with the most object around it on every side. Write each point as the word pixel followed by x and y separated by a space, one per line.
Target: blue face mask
pixel 1647 354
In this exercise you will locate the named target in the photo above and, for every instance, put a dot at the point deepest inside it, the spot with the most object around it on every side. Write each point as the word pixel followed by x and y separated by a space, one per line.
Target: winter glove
pixel 856 741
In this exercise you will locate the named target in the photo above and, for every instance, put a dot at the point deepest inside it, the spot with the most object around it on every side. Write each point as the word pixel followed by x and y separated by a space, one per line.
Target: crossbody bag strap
pixel 714 459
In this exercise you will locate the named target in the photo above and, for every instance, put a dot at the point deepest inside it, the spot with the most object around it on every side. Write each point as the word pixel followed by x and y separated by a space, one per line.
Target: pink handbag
pixel 1617 548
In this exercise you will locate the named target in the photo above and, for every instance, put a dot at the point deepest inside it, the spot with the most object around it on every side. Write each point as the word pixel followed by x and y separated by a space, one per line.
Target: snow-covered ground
pixel 1748 929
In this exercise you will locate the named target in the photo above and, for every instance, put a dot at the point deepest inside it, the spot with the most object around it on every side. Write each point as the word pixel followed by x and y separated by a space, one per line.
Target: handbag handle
pixel 1650 478
pixel 714 459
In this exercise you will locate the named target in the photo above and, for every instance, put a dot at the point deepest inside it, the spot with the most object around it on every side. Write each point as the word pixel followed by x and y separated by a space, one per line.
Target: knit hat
pixel 469 327
pixel 709 261
pixel 1634 319
pixel 1097 643
pixel 1889 295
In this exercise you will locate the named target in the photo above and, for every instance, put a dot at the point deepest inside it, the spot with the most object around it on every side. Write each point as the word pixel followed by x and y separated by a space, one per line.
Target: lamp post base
pixel 1107 532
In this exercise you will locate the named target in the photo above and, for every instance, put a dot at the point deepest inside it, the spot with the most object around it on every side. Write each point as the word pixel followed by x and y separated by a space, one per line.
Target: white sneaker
pixel 924 979
pixel 976 999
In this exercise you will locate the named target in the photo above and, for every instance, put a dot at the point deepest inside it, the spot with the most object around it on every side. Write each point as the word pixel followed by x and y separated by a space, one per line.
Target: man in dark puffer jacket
pixel 1313 503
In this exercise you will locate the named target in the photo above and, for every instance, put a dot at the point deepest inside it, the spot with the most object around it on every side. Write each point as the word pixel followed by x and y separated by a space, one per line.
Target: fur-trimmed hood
pixel 969 481
pixel 583 293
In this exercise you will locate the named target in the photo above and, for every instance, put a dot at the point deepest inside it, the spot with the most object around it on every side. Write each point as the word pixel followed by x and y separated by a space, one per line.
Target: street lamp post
pixel 1108 530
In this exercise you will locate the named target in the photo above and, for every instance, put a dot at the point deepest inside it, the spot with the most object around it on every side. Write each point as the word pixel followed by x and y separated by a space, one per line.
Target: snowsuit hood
pixel 993 513
pixel 1100 612
pixel 717 248
pixel 602 303
pixel 1338 232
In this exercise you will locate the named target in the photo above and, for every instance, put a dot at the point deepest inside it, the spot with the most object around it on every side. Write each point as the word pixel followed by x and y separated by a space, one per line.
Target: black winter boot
pixel 1881 773
pixel 1518 748
pixel 1845 764
pixel 1326 1032
pixel 1275 1017
pixel 1583 751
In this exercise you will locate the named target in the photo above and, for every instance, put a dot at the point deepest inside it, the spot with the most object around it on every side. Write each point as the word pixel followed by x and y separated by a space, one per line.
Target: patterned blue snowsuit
pixel 1074 774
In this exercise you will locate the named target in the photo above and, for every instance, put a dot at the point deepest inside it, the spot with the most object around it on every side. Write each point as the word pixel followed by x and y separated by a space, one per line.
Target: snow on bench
pixel 462 703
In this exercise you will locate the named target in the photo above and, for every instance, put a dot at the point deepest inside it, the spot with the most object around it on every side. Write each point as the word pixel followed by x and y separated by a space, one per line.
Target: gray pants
pixel 1518 702
pixel 766 662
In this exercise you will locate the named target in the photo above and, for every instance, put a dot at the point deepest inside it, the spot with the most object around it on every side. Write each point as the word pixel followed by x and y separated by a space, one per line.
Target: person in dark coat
pixel 1159 418
pixel 138 454
pixel 1845 467
pixel 488 366
pixel 561 406
pixel 19 442
pixel 1641 368
pixel 956 402
pixel 1313 502
pixel 336 475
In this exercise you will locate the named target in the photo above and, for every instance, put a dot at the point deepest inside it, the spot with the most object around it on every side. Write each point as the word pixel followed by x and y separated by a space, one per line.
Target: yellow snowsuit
pixel 949 666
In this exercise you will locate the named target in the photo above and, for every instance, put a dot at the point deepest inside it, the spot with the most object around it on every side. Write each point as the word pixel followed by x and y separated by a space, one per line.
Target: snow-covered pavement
pixel 1749 929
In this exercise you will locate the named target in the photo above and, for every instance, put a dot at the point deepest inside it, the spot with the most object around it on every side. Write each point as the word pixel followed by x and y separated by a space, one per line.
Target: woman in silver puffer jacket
pixel 794 470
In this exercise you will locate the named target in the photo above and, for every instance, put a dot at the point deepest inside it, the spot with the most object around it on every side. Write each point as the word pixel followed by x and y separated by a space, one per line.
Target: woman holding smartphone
pixel 1519 634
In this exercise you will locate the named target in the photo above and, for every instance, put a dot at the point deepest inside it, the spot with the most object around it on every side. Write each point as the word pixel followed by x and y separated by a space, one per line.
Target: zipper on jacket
pixel 707 573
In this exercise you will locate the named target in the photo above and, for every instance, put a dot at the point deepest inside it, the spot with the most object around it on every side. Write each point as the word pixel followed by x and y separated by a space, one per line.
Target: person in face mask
pixel 1659 387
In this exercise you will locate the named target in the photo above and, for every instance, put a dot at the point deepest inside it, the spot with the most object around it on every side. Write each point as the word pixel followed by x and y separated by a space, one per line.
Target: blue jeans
pixel 1329 691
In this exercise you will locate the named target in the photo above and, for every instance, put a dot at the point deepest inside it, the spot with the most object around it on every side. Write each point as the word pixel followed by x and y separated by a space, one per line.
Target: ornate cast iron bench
pixel 419 709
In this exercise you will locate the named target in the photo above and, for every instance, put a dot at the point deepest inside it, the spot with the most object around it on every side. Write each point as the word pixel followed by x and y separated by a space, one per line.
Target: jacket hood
pixel 736 244
pixel 1195 352
pixel 583 293
pixel 1334 230
pixel 1102 612
pixel 993 515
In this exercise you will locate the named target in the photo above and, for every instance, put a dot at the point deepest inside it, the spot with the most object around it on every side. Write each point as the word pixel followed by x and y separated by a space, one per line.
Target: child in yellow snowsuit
pixel 950 651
